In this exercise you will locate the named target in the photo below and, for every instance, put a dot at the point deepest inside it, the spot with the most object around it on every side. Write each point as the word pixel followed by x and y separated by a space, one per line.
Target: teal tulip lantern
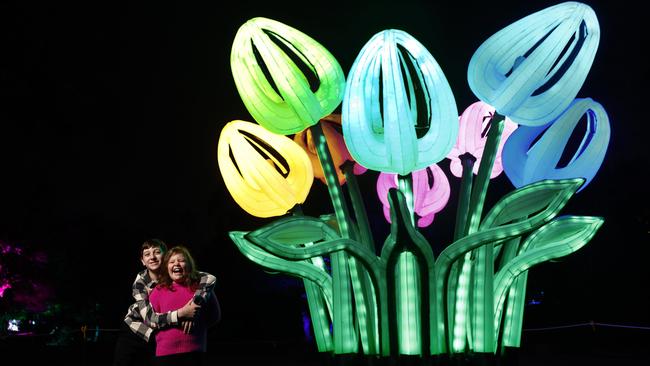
pixel 532 69
pixel 389 131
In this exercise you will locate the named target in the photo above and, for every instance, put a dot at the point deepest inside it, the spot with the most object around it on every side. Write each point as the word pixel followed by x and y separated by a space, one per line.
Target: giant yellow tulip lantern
pixel 266 174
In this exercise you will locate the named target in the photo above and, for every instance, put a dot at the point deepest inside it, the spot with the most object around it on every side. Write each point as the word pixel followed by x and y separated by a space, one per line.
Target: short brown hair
pixel 153 243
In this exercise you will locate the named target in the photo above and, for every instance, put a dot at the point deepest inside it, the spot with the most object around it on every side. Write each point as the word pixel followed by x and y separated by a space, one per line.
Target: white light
pixel 13 325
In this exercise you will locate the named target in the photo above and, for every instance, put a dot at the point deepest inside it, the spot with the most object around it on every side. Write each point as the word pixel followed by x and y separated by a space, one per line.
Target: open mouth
pixel 177 270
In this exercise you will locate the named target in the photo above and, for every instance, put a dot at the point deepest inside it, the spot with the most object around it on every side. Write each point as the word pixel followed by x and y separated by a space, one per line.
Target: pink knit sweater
pixel 172 340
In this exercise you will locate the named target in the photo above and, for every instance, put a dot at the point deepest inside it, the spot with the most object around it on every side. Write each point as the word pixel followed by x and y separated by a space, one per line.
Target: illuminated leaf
pixel 545 198
pixel 558 238
pixel 299 269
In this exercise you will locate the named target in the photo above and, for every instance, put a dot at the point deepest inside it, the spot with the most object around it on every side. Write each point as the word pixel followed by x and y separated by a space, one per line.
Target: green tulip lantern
pixel 285 103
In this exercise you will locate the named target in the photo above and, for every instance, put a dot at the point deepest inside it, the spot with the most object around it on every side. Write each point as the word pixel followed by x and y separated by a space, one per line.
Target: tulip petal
pixel 255 184
pixel 431 195
pixel 380 110
pixel 531 70
pixel 296 107
pixel 472 136
pixel 525 164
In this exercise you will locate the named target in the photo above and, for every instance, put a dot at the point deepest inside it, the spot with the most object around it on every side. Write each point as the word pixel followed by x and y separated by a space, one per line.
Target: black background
pixel 109 124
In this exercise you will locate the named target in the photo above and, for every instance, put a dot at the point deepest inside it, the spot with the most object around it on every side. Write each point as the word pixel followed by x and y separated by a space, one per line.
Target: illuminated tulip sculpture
pixel 531 70
pixel 285 104
pixel 255 178
pixel 382 130
pixel 526 164
pixel 340 155
pixel 390 132
pixel 472 136
pixel 399 118
pixel 431 192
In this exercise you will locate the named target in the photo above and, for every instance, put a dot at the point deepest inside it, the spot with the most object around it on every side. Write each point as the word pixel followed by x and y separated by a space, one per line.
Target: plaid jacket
pixel 141 317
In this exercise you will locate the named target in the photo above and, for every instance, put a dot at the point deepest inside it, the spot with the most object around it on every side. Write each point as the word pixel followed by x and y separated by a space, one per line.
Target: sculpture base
pixel 509 358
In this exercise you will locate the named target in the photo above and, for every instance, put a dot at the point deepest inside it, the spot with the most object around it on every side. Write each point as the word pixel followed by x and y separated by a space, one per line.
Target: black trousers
pixel 182 359
pixel 131 350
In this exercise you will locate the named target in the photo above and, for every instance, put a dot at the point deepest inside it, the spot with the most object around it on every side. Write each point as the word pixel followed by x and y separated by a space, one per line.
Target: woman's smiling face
pixel 177 267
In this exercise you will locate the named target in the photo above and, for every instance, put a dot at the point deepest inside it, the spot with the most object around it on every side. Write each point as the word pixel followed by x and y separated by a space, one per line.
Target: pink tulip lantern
pixel 431 192
pixel 472 135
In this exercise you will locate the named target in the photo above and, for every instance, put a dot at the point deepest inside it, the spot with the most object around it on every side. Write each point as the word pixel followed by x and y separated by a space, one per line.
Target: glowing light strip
pixel 408 304
pixel 477 309
pixel 343 276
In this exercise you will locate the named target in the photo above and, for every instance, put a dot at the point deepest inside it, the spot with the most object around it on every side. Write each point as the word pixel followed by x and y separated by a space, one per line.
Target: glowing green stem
pixel 345 336
pixel 365 233
pixel 454 291
pixel 482 293
pixel 368 324
pixel 514 312
pixel 407 289
pixel 410 280
pixel 320 317
pixel 346 272
pixel 467 160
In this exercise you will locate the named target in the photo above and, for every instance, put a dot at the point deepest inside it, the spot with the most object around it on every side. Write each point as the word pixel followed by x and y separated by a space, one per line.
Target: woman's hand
pixel 189 310
pixel 187 326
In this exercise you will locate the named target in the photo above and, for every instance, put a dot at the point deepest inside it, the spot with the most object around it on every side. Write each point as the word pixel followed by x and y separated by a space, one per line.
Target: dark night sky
pixel 111 115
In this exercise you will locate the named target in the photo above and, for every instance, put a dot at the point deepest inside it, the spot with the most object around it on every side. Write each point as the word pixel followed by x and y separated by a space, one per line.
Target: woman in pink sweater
pixel 176 287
